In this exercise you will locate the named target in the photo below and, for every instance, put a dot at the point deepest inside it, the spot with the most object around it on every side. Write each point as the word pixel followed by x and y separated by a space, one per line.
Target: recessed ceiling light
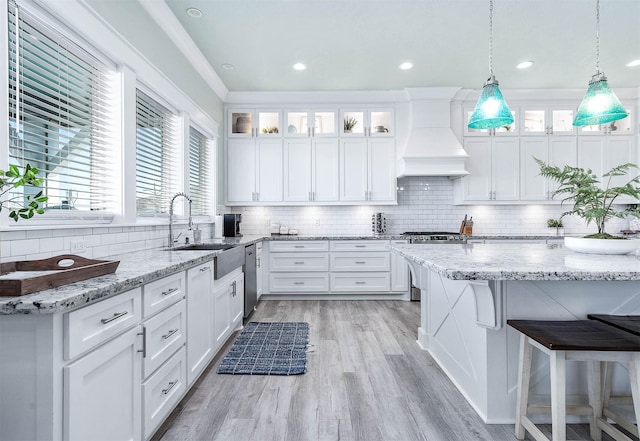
pixel 525 64
pixel 406 65
pixel 633 63
pixel 194 12
pixel 227 66
pixel 299 66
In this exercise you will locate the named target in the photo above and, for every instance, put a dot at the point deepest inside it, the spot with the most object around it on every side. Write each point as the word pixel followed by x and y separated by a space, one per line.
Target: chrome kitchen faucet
pixel 172 240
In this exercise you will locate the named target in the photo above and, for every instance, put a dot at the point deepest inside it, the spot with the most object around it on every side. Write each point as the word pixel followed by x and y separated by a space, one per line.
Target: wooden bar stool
pixel 581 340
pixel 628 323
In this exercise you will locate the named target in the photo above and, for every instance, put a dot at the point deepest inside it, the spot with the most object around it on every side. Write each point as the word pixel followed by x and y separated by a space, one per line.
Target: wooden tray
pixel 27 276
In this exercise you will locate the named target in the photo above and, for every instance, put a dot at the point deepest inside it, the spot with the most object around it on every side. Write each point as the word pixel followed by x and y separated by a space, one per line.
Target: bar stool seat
pixel 582 340
pixel 628 323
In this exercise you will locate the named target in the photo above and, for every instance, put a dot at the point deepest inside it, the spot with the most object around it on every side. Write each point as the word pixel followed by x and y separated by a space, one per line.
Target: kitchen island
pixel 470 290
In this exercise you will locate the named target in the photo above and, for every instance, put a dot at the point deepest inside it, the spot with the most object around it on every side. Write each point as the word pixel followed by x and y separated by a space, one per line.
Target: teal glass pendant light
pixel 599 105
pixel 491 111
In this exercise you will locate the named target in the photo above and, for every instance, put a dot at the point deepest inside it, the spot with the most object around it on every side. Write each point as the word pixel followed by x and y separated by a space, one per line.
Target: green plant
pixel 554 223
pixel 350 123
pixel 591 201
pixel 270 129
pixel 12 179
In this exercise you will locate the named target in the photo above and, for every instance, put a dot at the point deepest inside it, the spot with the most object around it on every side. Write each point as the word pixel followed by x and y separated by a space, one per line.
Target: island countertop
pixel 519 262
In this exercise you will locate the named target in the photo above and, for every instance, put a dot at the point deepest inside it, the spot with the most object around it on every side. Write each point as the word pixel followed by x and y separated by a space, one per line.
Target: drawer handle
pixel 360 261
pixel 169 291
pixel 206 268
pixel 298 246
pixel 116 316
pixel 361 246
pixel 361 283
pixel 298 283
pixel 171 385
pixel 298 263
pixel 169 334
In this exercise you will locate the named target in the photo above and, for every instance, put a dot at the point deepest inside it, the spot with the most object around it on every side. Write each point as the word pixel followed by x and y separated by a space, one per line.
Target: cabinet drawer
pixel 164 334
pixel 360 282
pixel 366 261
pixel 298 245
pixel 359 245
pixel 298 262
pixel 299 282
pixel 162 392
pixel 161 293
pixel 92 325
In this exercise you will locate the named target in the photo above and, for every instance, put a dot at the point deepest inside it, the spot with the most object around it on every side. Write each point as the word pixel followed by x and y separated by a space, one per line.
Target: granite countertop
pixel 520 262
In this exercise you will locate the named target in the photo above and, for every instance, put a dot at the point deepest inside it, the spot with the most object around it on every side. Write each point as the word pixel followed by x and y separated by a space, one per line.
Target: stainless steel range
pixel 434 237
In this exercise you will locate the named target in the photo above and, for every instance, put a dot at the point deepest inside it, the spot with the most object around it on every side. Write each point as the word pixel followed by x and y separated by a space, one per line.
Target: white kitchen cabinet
pixel 164 334
pixel 601 153
pixel 493 167
pixel 547 120
pixel 228 308
pixel 254 170
pixel 311 170
pixel 508 130
pixel 399 270
pixel 200 331
pixel 552 150
pixel 102 393
pixel 254 123
pixel 367 170
pixel 311 123
pixel 369 122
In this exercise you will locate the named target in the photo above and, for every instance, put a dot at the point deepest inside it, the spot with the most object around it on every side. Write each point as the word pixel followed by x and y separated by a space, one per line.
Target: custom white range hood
pixel 432 149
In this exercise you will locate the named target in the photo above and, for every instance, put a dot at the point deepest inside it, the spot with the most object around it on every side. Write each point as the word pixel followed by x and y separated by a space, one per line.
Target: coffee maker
pixel 231 225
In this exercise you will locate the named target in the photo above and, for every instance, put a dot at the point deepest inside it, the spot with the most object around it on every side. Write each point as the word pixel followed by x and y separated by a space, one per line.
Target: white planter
pixel 601 246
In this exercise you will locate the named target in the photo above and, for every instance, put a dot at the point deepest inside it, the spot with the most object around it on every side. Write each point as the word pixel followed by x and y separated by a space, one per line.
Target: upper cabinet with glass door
pixel 311 123
pixel 508 130
pixel 537 121
pixel 253 123
pixel 621 127
pixel 367 122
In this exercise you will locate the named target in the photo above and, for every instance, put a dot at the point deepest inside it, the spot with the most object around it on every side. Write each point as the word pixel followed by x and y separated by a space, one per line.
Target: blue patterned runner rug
pixel 268 348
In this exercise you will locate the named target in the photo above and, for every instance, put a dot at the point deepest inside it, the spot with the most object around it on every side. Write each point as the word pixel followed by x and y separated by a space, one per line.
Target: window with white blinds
pixel 157 158
pixel 60 118
pixel 200 178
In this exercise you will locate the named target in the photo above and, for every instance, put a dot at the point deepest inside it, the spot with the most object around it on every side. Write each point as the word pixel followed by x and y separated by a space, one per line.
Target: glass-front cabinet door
pixel 367 122
pixel 547 121
pixel 250 123
pixel 311 123
pixel 620 127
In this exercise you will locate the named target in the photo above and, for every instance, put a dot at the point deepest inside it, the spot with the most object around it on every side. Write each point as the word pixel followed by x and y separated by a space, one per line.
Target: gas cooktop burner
pixel 434 237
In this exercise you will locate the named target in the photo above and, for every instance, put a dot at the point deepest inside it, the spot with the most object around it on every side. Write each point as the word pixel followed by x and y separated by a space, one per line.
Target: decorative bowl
pixel 601 246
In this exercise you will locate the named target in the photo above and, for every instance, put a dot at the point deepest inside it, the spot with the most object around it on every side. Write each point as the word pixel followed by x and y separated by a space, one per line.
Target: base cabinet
pixel 200 333
pixel 102 393
pixel 228 298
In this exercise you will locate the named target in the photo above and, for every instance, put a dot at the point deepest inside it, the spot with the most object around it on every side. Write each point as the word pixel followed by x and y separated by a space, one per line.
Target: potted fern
pixel 30 204
pixel 595 203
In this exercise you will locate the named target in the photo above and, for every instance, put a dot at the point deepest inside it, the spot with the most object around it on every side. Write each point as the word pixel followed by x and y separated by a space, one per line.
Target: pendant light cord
pixel 597 37
pixel 491 37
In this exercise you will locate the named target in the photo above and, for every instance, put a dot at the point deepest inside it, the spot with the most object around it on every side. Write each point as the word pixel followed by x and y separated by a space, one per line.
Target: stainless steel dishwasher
pixel 250 280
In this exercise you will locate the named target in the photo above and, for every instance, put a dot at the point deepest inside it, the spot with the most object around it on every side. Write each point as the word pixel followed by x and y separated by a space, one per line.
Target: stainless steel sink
pixel 230 257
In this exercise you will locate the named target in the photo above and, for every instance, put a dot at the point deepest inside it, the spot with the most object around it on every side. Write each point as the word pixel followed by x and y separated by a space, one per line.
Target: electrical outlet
pixel 78 246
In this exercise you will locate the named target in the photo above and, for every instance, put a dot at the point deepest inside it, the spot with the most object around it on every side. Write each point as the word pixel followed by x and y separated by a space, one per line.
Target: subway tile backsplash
pixel 424 203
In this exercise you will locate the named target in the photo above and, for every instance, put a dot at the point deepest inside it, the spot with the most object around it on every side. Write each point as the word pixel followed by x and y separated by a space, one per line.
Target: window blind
pixel 59 115
pixel 157 161
pixel 200 178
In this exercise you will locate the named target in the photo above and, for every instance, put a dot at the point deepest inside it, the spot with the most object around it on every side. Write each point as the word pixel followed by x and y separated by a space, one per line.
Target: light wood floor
pixel 367 380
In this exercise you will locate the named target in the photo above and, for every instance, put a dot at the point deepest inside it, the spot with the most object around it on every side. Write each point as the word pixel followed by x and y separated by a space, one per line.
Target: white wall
pixel 424 204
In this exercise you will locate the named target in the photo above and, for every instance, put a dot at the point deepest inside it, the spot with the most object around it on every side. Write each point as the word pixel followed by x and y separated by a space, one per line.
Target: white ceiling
pixel 358 44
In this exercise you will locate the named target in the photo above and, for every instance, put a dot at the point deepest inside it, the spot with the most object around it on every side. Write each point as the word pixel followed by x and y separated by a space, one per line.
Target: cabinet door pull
pixel 298 246
pixel 144 342
pixel 360 283
pixel 234 288
pixel 115 316
pixel 171 385
pixel 169 291
pixel 258 262
pixel 298 263
pixel 360 262
pixel 206 268
pixel 298 283
pixel 169 334
pixel 361 246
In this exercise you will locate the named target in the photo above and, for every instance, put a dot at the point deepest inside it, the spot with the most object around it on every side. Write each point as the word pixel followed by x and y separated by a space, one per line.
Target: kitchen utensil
pixel 378 223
